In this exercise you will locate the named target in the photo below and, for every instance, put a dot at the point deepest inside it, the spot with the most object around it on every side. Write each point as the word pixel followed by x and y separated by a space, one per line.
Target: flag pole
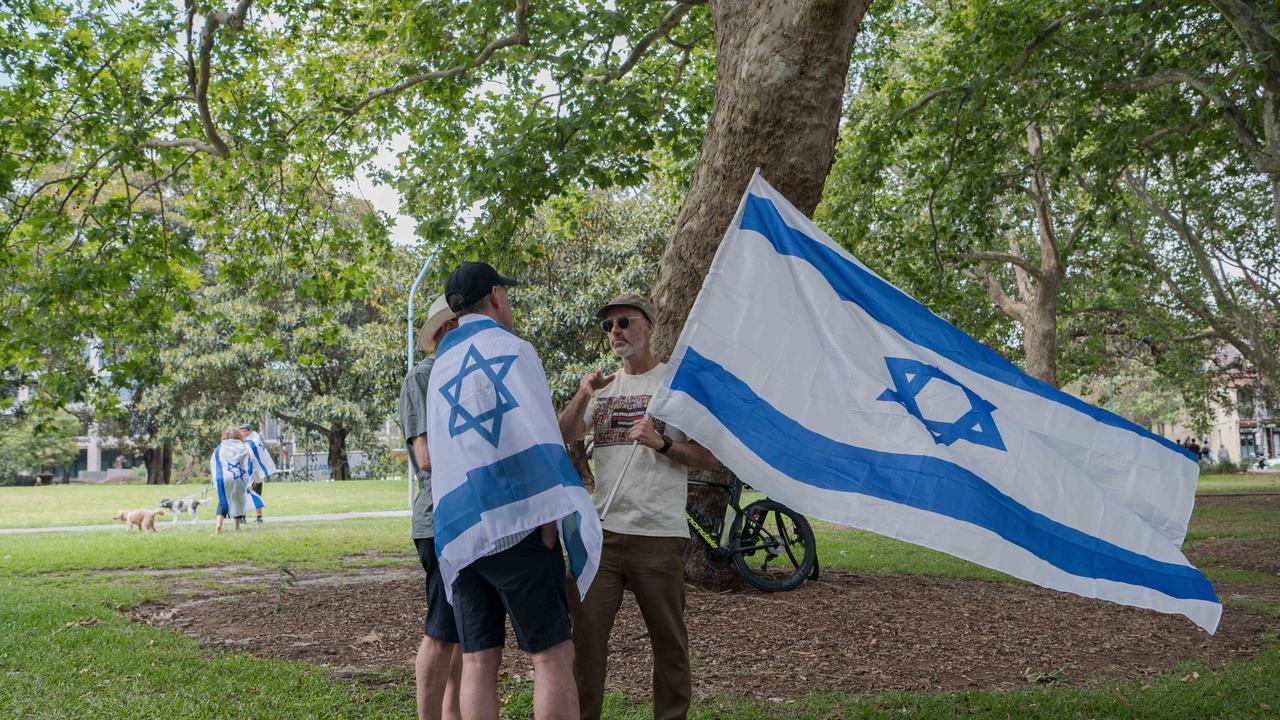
pixel 608 502
pixel 409 350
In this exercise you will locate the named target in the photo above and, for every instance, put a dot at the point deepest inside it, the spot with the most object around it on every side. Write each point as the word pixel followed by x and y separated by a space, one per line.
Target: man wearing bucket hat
pixel 438 666
pixel 641 488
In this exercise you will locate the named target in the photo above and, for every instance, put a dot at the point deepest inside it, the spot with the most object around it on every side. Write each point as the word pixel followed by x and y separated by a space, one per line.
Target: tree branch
pixel 1202 335
pixel 326 432
pixel 1061 22
pixel 667 24
pixel 1261 159
pixel 1011 308
pixel 1258 35
pixel 1031 268
pixel 213 143
pixel 1188 236
pixel 920 104
pixel 194 144
pixel 1049 251
pixel 519 37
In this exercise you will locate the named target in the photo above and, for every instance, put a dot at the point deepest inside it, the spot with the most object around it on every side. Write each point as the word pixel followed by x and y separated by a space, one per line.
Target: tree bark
pixel 1038 283
pixel 780 78
pixel 338 468
pixel 1040 338
pixel 335 438
pixel 159 462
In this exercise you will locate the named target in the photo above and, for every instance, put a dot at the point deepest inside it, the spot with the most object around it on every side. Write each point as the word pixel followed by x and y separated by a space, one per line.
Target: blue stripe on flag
pixel 222 493
pixel 913 321
pixel 571 531
pixel 512 479
pixel 253 447
pixel 465 332
pixel 921 482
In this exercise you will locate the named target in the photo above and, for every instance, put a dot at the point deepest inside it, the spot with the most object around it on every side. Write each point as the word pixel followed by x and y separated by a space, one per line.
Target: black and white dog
pixel 182 506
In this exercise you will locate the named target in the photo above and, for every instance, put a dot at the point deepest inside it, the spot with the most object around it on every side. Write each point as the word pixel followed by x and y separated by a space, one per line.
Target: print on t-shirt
pixel 614 416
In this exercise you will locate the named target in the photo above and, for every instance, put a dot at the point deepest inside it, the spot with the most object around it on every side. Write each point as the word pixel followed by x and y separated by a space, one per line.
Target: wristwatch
pixel 666 444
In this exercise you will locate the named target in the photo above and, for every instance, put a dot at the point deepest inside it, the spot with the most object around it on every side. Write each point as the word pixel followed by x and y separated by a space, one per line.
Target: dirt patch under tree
pixel 848 632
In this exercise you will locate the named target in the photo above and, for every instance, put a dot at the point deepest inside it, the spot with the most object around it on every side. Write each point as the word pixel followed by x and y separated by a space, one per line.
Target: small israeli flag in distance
pixel 833 392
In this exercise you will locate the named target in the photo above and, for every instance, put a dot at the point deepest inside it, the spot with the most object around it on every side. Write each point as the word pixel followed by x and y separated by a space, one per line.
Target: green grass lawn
pixel 57 505
pixel 1240 482
pixel 67 652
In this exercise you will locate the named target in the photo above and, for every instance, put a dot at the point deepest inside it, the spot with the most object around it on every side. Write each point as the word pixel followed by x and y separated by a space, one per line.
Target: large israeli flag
pixel 499 467
pixel 835 393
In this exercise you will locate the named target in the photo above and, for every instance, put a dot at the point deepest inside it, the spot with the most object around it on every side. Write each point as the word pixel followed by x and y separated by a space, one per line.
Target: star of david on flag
pixel 238 472
pixel 461 419
pixel 823 414
pixel 910 377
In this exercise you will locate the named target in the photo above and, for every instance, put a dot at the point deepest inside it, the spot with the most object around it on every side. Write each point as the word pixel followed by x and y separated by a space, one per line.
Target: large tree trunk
pixel 338 469
pixel 780 77
pixel 1038 284
pixel 159 462
pixel 1040 339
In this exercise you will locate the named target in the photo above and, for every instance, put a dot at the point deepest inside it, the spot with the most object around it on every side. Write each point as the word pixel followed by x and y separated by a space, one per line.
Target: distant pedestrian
pixel 1223 455
pixel 231 467
pixel 263 466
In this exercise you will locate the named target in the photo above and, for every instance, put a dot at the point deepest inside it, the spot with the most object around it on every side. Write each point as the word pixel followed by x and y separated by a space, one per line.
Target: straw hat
pixel 436 318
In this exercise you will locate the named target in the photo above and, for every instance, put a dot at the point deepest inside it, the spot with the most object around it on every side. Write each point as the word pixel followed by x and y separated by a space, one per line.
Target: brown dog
pixel 143 519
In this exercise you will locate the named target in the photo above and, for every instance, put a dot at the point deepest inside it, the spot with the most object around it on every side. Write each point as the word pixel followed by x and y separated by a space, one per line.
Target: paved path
pixel 163 522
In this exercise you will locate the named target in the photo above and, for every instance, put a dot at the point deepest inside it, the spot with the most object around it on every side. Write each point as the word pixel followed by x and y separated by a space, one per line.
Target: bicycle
pixel 763 533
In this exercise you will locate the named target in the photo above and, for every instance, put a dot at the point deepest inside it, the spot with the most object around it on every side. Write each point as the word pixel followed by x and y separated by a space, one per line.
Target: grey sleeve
pixel 413 403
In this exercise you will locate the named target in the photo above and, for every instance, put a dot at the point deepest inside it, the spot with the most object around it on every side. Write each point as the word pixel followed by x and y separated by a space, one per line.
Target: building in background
pixel 1248 425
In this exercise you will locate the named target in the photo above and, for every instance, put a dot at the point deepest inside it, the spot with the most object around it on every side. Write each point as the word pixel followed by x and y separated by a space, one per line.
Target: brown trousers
pixel 652 568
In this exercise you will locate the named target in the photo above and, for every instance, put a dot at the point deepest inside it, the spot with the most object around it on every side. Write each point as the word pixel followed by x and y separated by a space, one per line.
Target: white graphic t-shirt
pixel 651 499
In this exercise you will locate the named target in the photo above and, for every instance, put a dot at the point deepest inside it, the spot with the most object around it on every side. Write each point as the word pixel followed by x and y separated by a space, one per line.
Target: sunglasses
pixel 623 323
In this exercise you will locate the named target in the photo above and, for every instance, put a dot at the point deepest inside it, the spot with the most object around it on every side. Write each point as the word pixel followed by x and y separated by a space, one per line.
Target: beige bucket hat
pixel 436 318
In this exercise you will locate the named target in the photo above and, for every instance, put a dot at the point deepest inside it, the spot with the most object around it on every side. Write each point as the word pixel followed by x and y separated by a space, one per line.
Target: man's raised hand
pixel 593 381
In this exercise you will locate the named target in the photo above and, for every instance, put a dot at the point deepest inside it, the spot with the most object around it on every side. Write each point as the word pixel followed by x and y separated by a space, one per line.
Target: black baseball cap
pixel 471 281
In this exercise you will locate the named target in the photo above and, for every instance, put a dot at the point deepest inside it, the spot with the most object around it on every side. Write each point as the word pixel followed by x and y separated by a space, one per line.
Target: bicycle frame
pixel 735 495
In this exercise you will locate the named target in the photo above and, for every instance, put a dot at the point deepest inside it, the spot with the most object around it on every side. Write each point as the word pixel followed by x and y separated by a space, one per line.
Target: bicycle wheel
pixel 774 548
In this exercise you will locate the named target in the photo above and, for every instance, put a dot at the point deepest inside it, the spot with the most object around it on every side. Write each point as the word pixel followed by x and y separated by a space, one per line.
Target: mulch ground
pixel 847 632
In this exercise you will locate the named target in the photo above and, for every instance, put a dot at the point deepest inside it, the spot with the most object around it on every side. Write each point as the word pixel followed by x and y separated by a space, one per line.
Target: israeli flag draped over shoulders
pixel 499 467
pixel 265 467
pixel 835 393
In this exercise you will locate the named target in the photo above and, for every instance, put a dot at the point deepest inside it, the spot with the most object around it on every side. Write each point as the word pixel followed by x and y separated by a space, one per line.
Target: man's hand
pixel 593 381
pixel 572 418
pixel 645 433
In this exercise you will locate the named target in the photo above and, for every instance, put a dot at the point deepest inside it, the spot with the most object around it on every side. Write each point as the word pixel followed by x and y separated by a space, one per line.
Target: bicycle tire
pixel 767 532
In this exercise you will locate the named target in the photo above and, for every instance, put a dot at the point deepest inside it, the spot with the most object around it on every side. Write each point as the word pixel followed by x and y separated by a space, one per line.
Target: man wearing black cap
pixel 641 464
pixel 522 577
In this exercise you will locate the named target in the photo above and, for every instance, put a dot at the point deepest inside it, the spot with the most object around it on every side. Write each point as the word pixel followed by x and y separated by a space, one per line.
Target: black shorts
pixel 524 582
pixel 223 510
pixel 439 623
pixel 257 488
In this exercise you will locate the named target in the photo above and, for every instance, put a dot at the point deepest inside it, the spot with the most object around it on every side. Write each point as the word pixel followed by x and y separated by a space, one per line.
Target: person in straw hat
pixel 438 666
